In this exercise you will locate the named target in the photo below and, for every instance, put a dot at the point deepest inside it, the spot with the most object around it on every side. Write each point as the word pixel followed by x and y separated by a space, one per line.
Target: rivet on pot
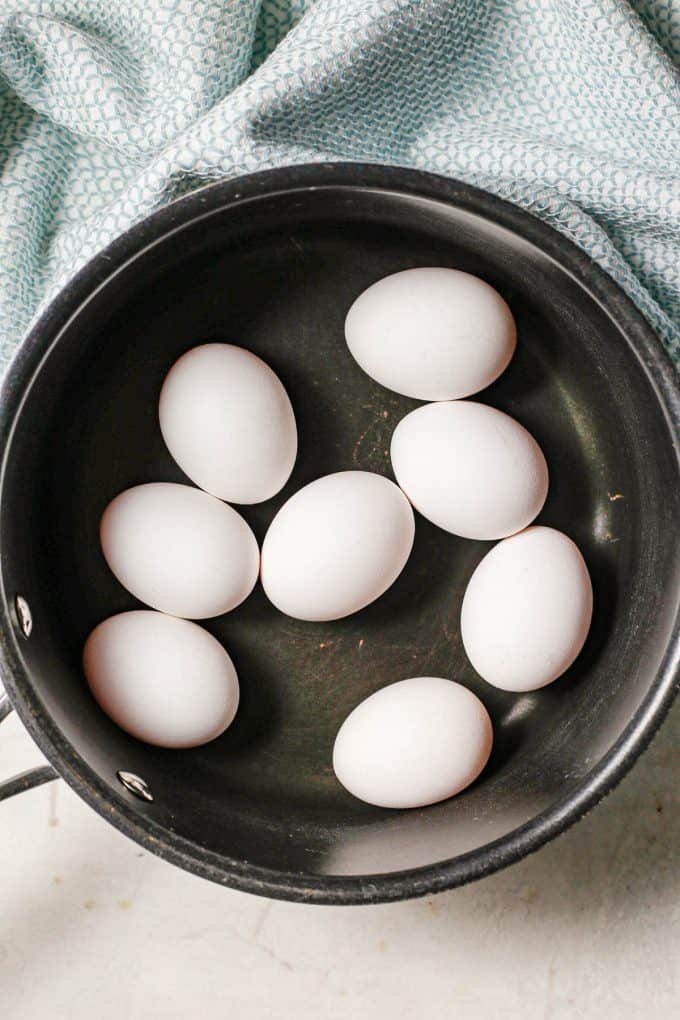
pixel 135 784
pixel 24 615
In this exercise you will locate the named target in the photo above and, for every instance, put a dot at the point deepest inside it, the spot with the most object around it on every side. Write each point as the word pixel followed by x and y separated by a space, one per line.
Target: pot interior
pixel 277 275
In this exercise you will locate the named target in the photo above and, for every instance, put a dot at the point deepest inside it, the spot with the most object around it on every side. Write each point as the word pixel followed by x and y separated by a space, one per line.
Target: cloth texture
pixel 111 108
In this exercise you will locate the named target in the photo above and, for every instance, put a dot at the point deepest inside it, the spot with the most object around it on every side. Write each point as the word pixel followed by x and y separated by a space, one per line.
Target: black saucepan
pixel 273 262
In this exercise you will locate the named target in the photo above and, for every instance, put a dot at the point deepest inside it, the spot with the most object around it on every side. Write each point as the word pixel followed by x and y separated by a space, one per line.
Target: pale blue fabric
pixel 110 108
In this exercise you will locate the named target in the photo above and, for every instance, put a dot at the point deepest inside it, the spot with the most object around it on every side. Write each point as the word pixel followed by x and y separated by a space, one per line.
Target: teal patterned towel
pixel 110 108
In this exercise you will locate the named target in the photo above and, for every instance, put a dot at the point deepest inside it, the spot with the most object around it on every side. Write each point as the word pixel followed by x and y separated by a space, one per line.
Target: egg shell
pixel 336 545
pixel 431 333
pixel 161 679
pixel 227 421
pixel 527 610
pixel 469 468
pixel 413 743
pixel 179 549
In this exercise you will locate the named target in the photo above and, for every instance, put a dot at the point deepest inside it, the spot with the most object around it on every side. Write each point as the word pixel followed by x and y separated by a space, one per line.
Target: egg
pixel 179 549
pixel 413 743
pixel 227 421
pixel 527 610
pixel 432 334
pixel 336 545
pixel 469 468
pixel 161 679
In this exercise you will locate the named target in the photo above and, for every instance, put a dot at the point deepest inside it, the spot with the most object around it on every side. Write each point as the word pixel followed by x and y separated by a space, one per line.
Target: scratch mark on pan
pixel 357 445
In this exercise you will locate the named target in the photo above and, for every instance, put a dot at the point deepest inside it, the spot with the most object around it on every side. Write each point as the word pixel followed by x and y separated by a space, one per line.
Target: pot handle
pixel 31 777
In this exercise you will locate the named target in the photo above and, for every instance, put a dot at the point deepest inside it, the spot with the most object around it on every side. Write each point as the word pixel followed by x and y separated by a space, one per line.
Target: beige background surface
pixel 93 927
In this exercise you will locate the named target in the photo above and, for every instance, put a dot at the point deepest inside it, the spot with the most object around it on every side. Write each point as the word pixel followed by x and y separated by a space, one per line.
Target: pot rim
pixel 115 808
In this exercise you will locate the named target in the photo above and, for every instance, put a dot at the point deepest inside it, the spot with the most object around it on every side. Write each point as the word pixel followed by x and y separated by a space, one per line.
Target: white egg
pixel 227 421
pixel 469 468
pixel 527 610
pixel 413 743
pixel 433 334
pixel 336 545
pixel 179 550
pixel 161 679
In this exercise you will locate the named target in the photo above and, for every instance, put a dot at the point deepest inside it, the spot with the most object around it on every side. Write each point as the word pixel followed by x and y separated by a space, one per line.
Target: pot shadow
pixel 618 860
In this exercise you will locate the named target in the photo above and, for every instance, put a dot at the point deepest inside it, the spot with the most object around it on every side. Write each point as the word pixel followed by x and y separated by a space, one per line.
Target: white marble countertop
pixel 589 927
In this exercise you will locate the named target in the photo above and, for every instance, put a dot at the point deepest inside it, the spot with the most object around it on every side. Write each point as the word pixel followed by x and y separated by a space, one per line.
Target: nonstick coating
pixel 273 263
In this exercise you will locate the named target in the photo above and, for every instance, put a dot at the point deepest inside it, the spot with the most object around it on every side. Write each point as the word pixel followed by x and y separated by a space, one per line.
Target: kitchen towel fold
pixel 111 108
